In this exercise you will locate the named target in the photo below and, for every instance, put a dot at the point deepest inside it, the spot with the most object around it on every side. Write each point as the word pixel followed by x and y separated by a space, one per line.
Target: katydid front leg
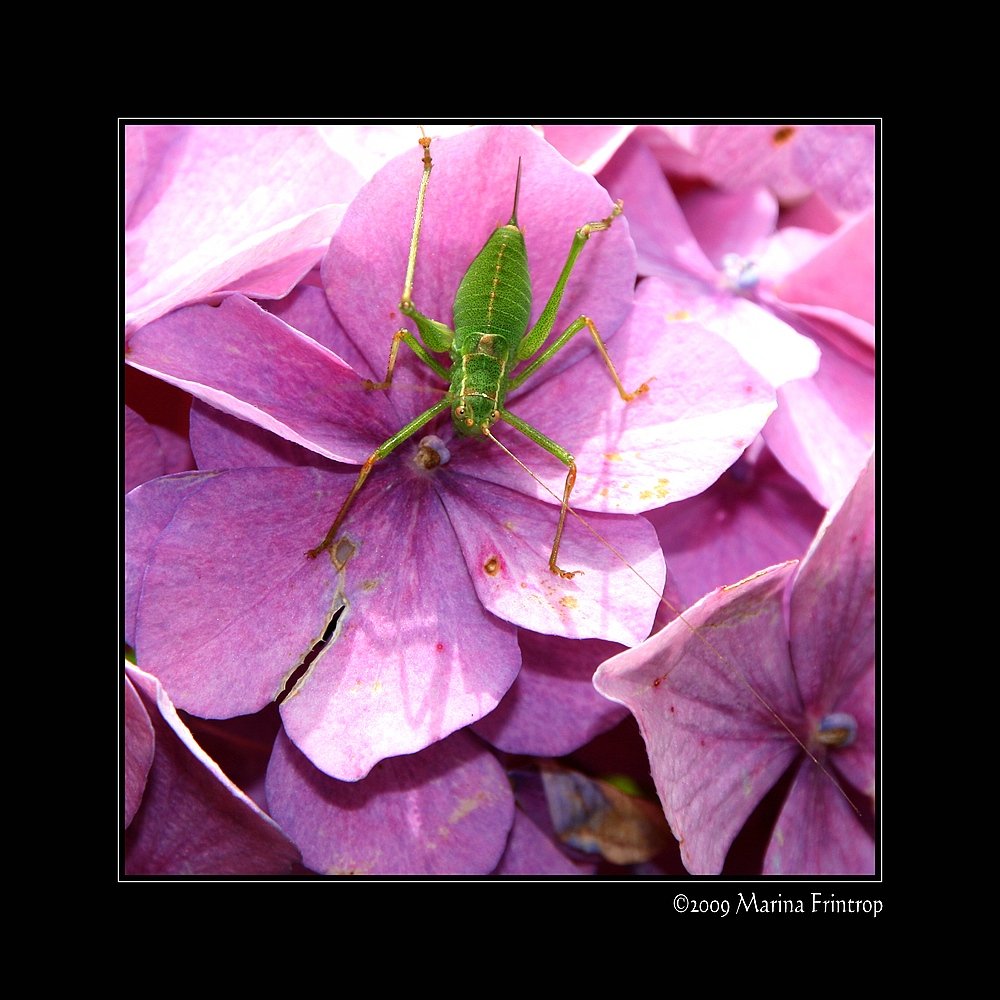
pixel 385 448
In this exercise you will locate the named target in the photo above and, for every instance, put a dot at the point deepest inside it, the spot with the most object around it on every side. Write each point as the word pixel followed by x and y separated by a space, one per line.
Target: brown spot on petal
pixel 492 566
pixel 342 554
pixel 782 135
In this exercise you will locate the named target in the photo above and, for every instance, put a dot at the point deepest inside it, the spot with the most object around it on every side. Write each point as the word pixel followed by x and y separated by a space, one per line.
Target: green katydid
pixel 491 337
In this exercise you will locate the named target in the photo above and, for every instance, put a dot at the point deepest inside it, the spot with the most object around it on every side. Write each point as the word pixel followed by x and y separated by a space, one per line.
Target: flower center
pixel 431 453
pixel 740 274
pixel 838 729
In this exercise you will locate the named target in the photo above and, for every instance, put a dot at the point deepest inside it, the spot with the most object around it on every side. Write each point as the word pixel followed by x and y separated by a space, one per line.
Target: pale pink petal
pixel 839 162
pixel 663 238
pixel 506 539
pixel 792 160
pixel 730 222
pixel 824 427
pixel 707 692
pixel 841 274
pixel 813 213
pixel 860 330
pixel 209 206
pixel 693 286
pixel 766 343
pixel 588 146
pixel 370 147
pixel 444 811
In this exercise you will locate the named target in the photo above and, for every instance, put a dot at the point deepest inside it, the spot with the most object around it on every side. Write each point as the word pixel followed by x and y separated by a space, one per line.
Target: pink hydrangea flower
pixel 730 698
pixel 798 305
pixel 442 566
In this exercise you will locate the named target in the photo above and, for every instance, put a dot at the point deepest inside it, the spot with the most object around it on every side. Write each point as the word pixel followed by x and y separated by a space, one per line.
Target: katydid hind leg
pixel 581 323
pixel 535 338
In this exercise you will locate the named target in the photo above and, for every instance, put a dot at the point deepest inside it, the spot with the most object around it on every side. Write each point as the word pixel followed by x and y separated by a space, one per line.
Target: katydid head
pixel 474 414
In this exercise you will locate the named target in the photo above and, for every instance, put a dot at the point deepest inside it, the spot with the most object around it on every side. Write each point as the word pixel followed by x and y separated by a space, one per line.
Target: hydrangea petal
pixel 166 409
pixel 444 811
pixel 140 747
pixel 193 819
pixel 832 626
pixel 221 441
pixel 668 443
pixel 767 343
pixel 230 605
pixel 144 458
pixel 308 310
pixel 663 238
pixel 726 222
pixel 530 852
pixel 823 429
pixel 415 655
pixel 836 160
pixel 857 762
pixel 552 707
pixel 209 205
pixel 756 515
pixel 835 586
pixel 588 146
pixel 817 832
pixel 841 274
pixel 148 511
pixel 471 191
pixel 705 692
pixel 243 360
pixel 507 539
